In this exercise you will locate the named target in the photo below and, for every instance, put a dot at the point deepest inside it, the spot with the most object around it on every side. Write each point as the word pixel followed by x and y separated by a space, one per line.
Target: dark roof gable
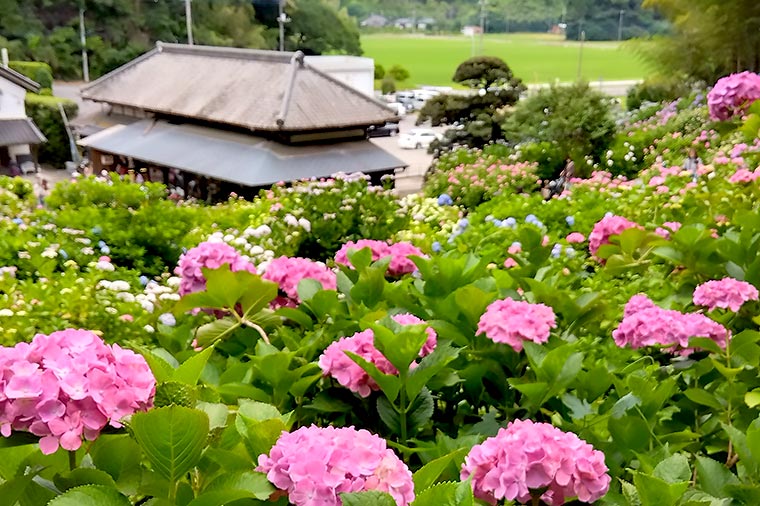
pixel 21 80
pixel 252 89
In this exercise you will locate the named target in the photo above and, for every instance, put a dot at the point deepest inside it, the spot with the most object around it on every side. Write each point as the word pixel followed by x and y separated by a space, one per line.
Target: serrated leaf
pixel 388 414
pixel 234 486
pixel 91 495
pixel 116 454
pixel 420 412
pixel 674 469
pixel 83 476
pixel 712 476
pixel 446 494
pixel 13 489
pixel 752 398
pixel 388 383
pixel 429 366
pixel 704 398
pixel 425 476
pixel 172 438
pixel 368 498
pixel 190 370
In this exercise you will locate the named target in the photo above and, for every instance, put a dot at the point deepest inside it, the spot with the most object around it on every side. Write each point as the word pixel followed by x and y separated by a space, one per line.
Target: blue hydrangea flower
pixel 96 230
pixel 436 247
pixel 445 200
pixel 464 223
pixel 167 319
pixel 556 250
pixel 105 250
pixel 18 221
pixel 570 220
pixel 101 243
pixel 498 223
pixel 510 222
pixel 63 253
pixel 570 252
pixel 144 280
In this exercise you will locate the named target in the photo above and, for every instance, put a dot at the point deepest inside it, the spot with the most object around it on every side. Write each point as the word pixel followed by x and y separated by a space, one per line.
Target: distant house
pixel 355 71
pixel 232 119
pixel 471 31
pixel 374 21
pixel 18 133
pixel 425 23
pixel 404 23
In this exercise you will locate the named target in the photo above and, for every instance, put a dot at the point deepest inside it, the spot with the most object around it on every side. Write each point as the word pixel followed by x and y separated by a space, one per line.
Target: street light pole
pixel 282 18
pixel 620 25
pixel 580 55
pixel 83 40
pixel 189 19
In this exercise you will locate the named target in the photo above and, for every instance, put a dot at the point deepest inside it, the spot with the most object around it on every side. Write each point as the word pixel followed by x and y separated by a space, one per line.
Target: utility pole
pixel 282 18
pixel 189 19
pixel 580 55
pixel 83 40
pixel 482 25
pixel 620 25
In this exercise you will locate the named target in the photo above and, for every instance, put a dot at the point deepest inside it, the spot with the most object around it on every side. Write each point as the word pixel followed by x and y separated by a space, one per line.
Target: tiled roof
pixel 19 131
pixel 252 89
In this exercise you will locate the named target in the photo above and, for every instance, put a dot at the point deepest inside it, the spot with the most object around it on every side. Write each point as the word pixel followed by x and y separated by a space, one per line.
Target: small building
pixel 233 120
pixel 471 30
pixel 374 21
pixel 404 23
pixel 355 71
pixel 18 133
pixel 425 23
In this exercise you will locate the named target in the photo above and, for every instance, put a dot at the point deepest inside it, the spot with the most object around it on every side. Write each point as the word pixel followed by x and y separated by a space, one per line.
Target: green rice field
pixel 536 58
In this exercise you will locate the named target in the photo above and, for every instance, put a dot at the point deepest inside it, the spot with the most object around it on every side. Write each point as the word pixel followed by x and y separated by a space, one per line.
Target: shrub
pixel 575 118
pixel 47 116
pixel 40 72
pixel 655 90
pixel 388 85
pixel 379 71
pixel 398 73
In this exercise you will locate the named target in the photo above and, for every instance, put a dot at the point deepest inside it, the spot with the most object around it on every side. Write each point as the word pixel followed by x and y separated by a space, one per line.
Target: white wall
pixel 11 100
pixel 355 71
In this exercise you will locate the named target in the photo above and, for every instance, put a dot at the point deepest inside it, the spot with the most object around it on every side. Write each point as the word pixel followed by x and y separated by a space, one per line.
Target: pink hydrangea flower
pixel 528 457
pixel 70 385
pixel 510 262
pixel 399 252
pixel 575 238
pixel 646 324
pixel 606 228
pixel 732 95
pixel 743 175
pixel 210 255
pixel 287 272
pixel 315 465
pixel 336 363
pixel 727 293
pixel 512 322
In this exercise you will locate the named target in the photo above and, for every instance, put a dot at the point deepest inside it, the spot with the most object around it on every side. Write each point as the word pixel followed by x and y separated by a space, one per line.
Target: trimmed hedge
pixel 44 111
pixel 37 71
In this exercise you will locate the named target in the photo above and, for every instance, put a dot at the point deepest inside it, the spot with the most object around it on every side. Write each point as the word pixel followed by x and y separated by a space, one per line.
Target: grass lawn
pixel 536 58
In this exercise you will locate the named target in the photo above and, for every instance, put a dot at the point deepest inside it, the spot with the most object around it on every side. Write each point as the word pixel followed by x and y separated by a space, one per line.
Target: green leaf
pixel 161 369
pixel 235 486
pixel 674 469
pixel 425 476
pixel 420 412
pixel 91 495
pixel 752 398
pixel 13 489
pixel 429 366
pixel 706 344
pixel 216 330
pixel 307 288
pixel 703 397
pixel 260 425
pixel 83 476
pixel 712 476
pixel 368 498
pixel 389 383
pixel 190 370
pixel 172 438
pixel 446 494
pixel 388 414
pixel 654 491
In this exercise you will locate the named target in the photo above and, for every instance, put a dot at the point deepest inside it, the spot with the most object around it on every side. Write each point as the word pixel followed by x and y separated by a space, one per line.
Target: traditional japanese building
pixel 18 133
pixel 242 118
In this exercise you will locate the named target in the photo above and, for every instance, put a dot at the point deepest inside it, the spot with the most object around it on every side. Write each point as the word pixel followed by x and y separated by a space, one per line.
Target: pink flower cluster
pixel 399 252
pixel 512 322
pixel 334 361
pixel 732 95
pixel 68 385
pixel 210 255
pixel 287 272
pixel 742 175
pixel 727 293
pixel 606 228
pixel 575 238
pixel 667 228
pixel 315 465
pixel 646 324
pixel 530 457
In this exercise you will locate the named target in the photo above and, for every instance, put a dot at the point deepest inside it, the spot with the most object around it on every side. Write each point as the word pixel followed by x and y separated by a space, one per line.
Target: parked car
pixel 387 130
pixel 398 107
pixel 406 98
pixel 418 138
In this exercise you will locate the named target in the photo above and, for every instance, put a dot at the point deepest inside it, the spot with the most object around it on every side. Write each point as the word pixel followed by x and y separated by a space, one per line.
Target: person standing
pixel 692 164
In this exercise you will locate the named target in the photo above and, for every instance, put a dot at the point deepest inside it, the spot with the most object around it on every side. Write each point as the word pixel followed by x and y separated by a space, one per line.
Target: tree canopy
pixel 119 30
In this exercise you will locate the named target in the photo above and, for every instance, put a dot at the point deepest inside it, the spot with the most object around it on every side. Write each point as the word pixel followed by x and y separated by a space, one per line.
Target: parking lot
pixel 410 180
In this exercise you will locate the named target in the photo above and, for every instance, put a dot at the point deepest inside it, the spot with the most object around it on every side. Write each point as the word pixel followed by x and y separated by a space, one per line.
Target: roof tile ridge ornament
pixel 296 62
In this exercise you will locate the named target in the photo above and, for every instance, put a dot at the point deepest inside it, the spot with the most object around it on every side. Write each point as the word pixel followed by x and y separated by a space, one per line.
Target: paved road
pixel 410 180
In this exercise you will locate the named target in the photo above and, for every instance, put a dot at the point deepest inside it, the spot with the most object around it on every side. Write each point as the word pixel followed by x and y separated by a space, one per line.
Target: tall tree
pixel 710 39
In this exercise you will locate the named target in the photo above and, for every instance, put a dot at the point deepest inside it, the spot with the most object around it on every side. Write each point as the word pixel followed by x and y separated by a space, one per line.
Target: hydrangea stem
pixel 72 460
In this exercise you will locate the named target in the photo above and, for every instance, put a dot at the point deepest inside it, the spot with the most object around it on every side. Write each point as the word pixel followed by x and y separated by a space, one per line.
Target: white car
pixel 418 138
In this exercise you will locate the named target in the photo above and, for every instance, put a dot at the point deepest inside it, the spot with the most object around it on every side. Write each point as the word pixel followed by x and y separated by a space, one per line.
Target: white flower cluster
pixel 254 244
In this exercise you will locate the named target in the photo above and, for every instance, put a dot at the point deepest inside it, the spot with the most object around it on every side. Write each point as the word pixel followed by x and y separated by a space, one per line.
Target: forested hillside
pixel 600 19
pixel 118 30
